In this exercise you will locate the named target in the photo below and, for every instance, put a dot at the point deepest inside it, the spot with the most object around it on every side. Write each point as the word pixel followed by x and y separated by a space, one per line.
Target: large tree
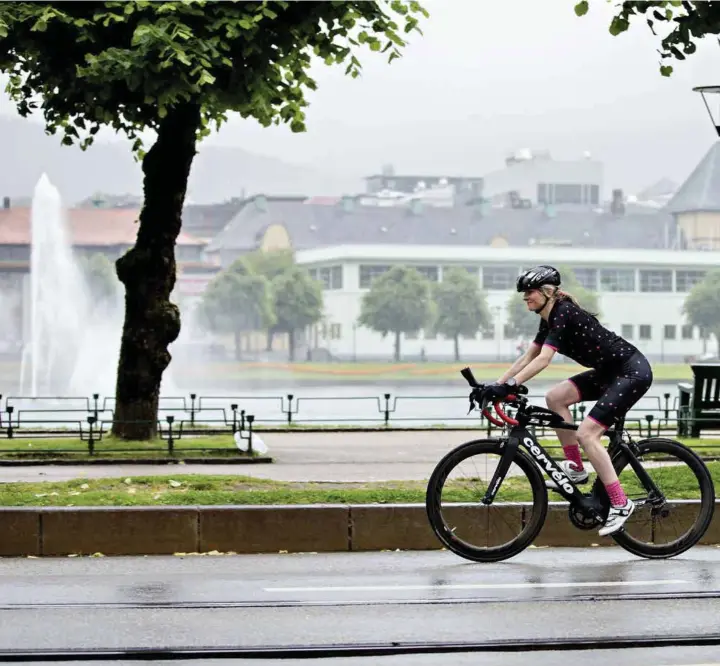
pixel 297 303
pixel 399 301
pixel 681 21
pixel 174 68
pixel 460 307
pixel 702 306
pixel 237 301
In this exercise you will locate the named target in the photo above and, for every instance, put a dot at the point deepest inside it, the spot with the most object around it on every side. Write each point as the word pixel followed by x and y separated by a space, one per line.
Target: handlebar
pixel 470 378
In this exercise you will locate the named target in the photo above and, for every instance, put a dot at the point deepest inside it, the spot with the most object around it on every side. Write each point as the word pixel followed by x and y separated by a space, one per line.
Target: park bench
pixel 699 402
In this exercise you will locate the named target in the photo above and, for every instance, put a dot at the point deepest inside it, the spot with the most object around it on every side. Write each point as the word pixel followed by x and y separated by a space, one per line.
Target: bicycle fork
pixel 510 447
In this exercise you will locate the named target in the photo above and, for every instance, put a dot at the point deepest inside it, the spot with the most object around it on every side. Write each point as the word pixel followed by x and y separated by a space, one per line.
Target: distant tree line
pixel 267 291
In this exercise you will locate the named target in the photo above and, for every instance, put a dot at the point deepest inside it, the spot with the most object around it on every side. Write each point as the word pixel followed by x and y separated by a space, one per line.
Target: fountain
pixel 74 343
pixel 73 349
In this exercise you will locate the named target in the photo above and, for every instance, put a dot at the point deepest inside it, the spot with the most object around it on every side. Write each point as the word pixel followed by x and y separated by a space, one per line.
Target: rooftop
pixel 90 227
pixel 312 225
pixel 701 190
pixel 507 255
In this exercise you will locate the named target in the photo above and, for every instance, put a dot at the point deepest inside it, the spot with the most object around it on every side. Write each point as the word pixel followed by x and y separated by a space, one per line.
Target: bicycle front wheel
pixel 472 529
pixel 666 528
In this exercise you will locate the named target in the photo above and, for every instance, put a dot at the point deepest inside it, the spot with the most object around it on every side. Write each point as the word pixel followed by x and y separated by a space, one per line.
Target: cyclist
pixel 618 377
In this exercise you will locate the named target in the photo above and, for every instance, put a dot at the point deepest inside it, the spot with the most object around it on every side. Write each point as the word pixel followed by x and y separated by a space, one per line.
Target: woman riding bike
pixel 619 376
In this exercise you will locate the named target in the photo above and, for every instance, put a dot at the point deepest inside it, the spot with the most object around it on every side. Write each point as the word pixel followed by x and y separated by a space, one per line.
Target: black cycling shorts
pixel 615 391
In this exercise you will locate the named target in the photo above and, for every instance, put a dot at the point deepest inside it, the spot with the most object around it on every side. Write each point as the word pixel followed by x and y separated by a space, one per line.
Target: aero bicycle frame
pixel 519 435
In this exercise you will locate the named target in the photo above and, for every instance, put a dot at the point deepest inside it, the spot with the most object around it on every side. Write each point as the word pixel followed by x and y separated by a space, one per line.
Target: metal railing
pixel 90 419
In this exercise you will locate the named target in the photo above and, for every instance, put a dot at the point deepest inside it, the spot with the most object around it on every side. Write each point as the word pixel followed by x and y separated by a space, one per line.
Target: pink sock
pixel 616 494
pixel 572 453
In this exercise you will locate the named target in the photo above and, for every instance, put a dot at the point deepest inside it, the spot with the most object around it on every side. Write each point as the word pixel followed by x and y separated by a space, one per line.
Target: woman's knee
pixel 562 395
pixel 590 433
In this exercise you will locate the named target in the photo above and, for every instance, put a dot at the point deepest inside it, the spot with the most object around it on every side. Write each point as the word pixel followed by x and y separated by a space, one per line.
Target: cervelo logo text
pixel 551 470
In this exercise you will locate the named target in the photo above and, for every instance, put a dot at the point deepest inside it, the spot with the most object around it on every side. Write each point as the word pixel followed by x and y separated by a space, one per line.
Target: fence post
pixel 234 418
pixel 250 420
pixel 387 409
pixel 91 440
pixel 96 397
pixel 667 407
pixel 170 420
pixel 192 408
pixel 289 411
pixel 649 419
pixel 10 410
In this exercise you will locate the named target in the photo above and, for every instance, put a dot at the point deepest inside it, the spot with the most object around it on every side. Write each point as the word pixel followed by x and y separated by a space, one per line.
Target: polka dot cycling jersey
pixel 575 333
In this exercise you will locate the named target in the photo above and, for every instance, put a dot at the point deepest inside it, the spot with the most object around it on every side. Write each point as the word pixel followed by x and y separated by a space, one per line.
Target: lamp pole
pixel 705 92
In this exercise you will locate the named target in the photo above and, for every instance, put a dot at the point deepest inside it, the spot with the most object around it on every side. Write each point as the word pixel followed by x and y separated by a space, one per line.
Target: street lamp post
pixel 707 91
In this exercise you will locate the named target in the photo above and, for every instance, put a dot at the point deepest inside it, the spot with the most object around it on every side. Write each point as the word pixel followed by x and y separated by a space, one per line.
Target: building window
pixel 627 331
pixel 686 280
pixel 594 194
pixel 670 331
pixel 686 331
pixel 587 277
pixel 645 331
pixel 335 331
pixel 429 335
pixel 508 332
pixel 429 272
pixel 369 272
pixel 331 277
pixel 655 280
pixel 499 277
pixel 617 279
pixel 570 193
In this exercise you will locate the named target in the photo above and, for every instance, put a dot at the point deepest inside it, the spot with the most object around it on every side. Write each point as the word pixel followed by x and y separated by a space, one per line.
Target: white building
pixel 641 294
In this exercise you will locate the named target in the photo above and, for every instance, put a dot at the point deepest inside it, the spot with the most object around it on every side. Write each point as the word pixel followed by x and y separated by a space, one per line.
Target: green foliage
pixel 127 64
pixel 684 23
pixel 297 302
pixel 702 305
pixel 460 307
pixel 525 324
pixel 399 301
pixel 237 301
pixel 271 263
pixel 103 284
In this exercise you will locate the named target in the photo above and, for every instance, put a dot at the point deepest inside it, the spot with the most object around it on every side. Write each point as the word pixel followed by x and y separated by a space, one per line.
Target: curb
pixel 62 531
pixel 8 462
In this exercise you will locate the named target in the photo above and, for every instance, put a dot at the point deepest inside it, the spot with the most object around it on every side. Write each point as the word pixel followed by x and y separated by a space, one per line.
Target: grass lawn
pixel 418 372
pixel 241 490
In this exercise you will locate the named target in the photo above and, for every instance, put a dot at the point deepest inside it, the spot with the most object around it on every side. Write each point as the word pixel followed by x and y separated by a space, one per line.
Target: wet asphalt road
pixel 366 598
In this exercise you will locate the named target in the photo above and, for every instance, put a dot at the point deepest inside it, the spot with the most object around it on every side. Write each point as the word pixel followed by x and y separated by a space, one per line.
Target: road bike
pixel 469 509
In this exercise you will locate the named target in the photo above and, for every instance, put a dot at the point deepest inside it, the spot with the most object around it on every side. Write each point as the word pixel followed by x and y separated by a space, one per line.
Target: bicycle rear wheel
pixel 471 529
pixel 669 528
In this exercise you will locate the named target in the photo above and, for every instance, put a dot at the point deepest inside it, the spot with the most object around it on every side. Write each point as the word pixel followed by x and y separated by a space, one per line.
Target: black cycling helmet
pixel 533 278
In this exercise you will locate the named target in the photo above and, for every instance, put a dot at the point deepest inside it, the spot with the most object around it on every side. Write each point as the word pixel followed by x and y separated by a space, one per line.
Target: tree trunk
pixel 397 347
pixel 291 346
pixel 457 347
pixel 147 270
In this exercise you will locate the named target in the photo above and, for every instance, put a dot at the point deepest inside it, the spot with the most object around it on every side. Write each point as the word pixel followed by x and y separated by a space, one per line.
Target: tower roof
pixel 701 189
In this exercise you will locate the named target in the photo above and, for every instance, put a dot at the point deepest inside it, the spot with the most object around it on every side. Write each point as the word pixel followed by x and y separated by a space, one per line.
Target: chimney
pixel 617 205
pixel 6 203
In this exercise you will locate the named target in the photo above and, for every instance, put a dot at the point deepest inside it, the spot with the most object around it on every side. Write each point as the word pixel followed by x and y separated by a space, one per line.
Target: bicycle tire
pixel 456 545
pixel 707 502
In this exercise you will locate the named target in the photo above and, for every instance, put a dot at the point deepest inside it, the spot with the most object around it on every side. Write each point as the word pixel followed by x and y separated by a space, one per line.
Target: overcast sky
pixel 491 76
